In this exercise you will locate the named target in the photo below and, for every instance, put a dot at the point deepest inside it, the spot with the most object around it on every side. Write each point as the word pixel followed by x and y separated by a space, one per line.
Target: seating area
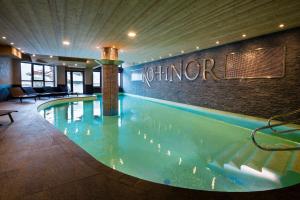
pixel 22 93
pixel 18 93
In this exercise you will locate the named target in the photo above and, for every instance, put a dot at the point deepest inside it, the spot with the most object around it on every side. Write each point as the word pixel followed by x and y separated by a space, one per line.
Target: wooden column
pixel 110 89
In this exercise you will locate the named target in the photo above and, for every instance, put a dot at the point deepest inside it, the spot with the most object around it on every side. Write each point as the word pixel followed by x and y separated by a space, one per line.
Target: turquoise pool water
pixel 172 146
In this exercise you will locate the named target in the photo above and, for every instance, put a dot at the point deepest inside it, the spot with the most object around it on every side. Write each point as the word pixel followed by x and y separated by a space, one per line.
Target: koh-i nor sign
pixel 191 71
pixel 258 63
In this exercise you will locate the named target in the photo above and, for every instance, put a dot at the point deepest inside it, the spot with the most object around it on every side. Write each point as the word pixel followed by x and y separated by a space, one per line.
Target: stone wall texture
pixel 257 97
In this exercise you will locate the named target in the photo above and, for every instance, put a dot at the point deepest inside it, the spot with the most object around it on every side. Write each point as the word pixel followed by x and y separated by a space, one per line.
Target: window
pixel 49 76
pixel 37 75
pixel 26 74
pixel 96 79
pixel 38 71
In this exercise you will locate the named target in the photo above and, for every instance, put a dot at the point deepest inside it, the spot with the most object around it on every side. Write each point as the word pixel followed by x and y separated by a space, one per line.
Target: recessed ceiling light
pixel 170 54
pixel 64 64
pixel 182 51
pixel 131 34
pixel 232 53
pixel 281 25
pixel 51 56
pixel 87 61
pixel 22 51
pixel 244 35
pixel 12 43
pixel 75 64
pixel 217 42
pixel 4 38
pixel 33 55
pixel 66 43
pixel 19 48
pixel 197 47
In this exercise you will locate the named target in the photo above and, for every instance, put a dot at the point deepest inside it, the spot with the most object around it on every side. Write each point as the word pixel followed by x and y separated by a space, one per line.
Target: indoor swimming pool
pixel 175 146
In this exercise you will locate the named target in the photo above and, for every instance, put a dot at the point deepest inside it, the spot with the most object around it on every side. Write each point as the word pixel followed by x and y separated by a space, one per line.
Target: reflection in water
pixel 174 147
pixel 110 131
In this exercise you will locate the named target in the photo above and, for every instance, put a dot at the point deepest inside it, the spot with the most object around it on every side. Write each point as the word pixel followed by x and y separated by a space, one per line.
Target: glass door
pixel 75 81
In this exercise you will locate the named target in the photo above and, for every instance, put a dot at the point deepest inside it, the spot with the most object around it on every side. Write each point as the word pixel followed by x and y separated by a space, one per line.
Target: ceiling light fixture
pixel 4 38
pixel 66 43
pixel 19 48
pixel 217 42
pixel 170 54
pixel 33 55
pixel 64 64
pixel 131 34
pixel 12 43
pixel 182 51
pixel 75 64
pixel 160 57
pixel 244 35
pixel 51 56
pixel 281 26
pixel 197 47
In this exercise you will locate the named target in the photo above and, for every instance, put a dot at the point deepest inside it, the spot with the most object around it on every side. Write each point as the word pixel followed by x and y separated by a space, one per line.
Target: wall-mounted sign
pixel 259 63
pixel 192 70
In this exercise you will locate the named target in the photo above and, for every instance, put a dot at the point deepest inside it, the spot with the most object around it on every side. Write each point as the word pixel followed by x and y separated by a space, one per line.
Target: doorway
pixel 75 81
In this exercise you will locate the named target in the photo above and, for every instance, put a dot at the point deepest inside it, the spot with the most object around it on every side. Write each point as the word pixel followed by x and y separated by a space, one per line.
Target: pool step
pixel 259 159
pixel 295 166
pixel 242 156
pixel 278 162
pixel 227 154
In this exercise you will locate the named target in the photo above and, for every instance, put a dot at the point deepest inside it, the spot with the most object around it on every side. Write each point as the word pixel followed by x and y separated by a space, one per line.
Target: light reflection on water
pixel 171 146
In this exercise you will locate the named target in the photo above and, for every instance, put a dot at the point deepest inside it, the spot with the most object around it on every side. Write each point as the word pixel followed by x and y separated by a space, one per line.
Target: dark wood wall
pixel 257 97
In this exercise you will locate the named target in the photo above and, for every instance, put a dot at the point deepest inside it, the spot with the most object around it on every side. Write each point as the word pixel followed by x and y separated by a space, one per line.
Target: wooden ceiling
pixel 163 27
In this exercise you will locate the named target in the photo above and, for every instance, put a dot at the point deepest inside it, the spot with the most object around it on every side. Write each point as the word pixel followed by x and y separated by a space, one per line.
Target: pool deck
pixel 39 162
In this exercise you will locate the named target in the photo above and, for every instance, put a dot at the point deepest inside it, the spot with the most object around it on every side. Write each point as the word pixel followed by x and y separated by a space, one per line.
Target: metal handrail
pixel 271 126
pixel 265 148
pixel 283 115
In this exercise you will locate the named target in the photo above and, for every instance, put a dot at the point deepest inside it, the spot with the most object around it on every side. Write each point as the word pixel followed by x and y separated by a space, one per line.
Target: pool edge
pixel 53 102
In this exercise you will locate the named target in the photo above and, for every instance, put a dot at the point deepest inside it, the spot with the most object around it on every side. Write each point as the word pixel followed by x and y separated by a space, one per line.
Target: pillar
pixel 110 88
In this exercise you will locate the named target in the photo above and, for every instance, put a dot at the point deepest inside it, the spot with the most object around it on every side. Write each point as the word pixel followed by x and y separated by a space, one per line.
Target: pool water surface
pixel 171 146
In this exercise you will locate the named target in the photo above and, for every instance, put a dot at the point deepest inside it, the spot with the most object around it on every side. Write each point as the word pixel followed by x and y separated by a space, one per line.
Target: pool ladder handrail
pixel 274 131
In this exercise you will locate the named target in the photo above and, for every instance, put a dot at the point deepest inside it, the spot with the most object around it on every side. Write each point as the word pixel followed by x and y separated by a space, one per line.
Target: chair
pixel 7 112
pixel 31 91
pixel 17 92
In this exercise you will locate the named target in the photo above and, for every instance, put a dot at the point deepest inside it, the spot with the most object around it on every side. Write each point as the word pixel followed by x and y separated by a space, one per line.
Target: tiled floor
pixel 38 162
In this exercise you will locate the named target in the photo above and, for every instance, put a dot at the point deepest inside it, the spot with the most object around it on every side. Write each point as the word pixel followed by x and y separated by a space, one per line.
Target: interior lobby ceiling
pixel 164 27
